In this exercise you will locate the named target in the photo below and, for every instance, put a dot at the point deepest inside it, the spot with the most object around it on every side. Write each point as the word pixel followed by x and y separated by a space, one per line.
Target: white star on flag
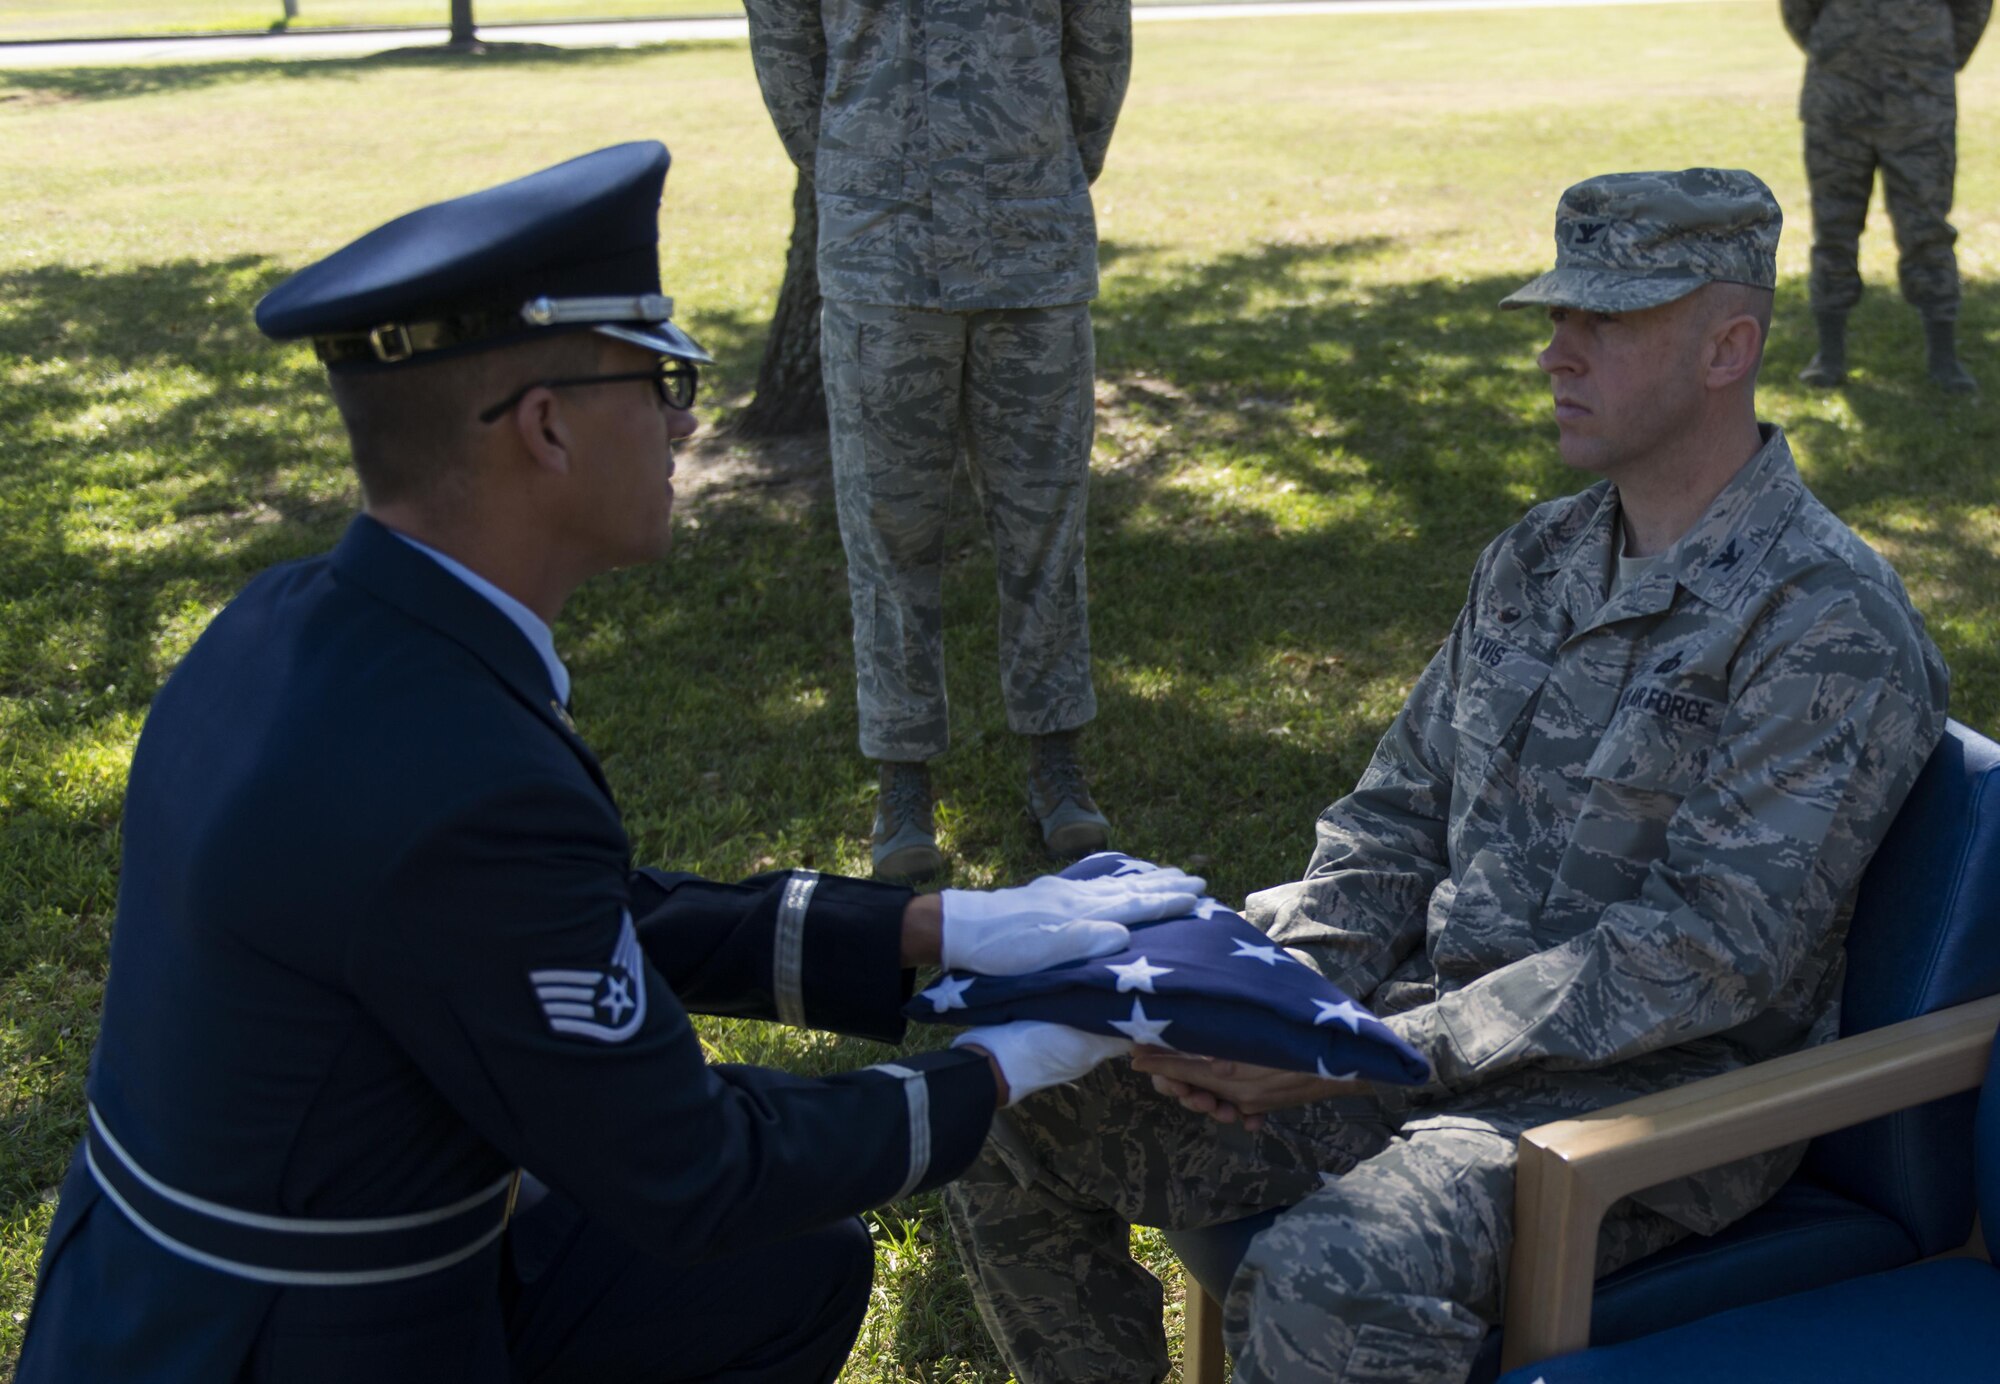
pixel 948 993
pixel 1207 908
pixel 1269 955
pixel 1320 1062
pixel 1347 1011
pixel 1141 1029
pixel 1137 975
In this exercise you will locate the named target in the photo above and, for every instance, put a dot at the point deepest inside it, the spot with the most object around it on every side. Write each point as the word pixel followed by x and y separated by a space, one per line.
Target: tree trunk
pixel 791 398
pixel 462 35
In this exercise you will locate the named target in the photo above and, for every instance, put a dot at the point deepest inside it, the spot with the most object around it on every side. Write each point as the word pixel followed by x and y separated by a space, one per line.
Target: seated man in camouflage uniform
pixel 1880 92
pixel 1607 847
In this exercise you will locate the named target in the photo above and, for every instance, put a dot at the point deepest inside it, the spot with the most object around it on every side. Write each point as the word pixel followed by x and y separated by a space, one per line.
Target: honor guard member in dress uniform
pixel 1881 92
pixel 380 943
pixel 1608 847
pixel 952 144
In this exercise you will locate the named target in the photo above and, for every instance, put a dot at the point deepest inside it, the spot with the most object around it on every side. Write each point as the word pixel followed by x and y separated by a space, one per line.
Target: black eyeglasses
pixel 674 380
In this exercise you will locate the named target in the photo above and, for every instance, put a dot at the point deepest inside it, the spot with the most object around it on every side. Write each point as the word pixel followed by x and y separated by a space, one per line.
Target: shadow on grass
pixel 1410 410
pixel 147 79
pixel 155 444
pixel 1904 438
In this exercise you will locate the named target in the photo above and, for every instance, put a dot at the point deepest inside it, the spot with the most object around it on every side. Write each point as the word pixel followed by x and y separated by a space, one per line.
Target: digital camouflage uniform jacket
pixel 1623 838
pixel 1883 64
pixel 952 142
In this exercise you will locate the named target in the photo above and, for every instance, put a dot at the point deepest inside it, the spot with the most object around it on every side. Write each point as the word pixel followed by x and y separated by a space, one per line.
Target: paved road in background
pixel 635 33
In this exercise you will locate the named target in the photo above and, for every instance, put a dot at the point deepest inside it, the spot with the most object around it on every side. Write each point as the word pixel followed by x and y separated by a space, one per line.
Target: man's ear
pixel 1734 348
pixel 543 429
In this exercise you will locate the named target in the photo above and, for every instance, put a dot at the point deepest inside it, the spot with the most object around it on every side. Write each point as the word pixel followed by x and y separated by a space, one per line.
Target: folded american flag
pixel 1208 984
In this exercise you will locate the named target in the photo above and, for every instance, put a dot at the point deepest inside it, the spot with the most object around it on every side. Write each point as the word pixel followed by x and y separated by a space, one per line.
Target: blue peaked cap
pixel 1208 984
pixel 573 247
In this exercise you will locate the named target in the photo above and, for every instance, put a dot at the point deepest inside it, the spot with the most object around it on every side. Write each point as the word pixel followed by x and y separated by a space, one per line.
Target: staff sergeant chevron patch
pixel 607 1004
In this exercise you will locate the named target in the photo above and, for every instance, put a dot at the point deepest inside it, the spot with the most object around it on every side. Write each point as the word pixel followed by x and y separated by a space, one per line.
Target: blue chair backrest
pixel 1925 936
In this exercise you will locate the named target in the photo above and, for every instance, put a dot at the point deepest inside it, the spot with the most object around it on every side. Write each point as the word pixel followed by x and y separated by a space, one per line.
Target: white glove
pixel 1009 932
pixel 1034 1056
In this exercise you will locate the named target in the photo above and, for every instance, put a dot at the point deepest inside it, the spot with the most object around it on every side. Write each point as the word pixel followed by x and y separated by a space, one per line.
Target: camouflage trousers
pixel 908 391
pixel 1918 169
pixel 1388 1269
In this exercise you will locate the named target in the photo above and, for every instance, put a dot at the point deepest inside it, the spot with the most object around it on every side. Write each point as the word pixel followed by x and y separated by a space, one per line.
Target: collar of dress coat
pixel 1726 545
pixel 377 558
pixel 524 619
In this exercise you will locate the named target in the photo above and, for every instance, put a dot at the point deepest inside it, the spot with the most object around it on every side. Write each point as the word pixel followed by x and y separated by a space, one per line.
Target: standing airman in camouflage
pixel 952 144
pixel 1880 91
pixel 1609 846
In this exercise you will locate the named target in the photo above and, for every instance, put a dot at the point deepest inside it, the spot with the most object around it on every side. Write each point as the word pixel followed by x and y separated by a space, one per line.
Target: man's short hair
pixel 1743 300
pixel 411 429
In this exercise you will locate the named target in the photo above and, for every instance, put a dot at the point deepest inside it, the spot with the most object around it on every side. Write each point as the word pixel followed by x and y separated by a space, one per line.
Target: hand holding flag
pixel 1056 918
pixel 1033 1056
pixel 1232 1092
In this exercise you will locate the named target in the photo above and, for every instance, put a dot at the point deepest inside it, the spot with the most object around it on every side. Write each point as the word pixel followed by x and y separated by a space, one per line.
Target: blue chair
pixel 1923 958
pixel 1936 1321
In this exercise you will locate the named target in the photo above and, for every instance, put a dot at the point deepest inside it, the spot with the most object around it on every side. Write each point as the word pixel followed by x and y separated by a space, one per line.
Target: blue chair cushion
pixel 1937 1321
pixel 1804 1237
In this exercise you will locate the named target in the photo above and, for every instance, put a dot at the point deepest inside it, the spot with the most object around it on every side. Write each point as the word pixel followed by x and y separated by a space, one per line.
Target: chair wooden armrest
pixel 1201 1336
pixel 1572 1171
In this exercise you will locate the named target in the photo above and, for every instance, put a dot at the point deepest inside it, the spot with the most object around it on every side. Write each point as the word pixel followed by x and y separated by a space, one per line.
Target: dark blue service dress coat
pixel 379 943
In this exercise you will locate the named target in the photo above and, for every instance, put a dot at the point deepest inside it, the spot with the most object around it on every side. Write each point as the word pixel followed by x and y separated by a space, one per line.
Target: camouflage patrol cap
pixel 1628 241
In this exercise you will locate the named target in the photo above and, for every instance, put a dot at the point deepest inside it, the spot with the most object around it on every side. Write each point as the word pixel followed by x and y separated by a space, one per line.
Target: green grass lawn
pixel 1312 418
pixel 24 20
pixel 64 19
